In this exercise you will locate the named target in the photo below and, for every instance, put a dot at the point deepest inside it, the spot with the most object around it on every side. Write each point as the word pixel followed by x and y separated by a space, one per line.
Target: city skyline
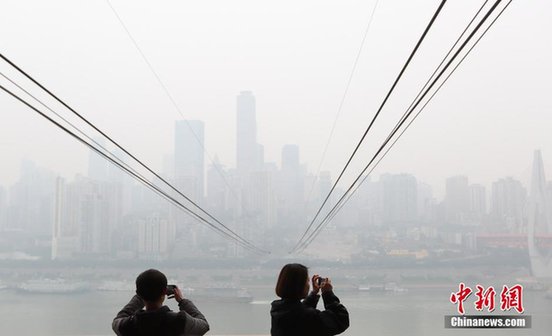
pixel 104 212
pixel 400 150
pixel 298 93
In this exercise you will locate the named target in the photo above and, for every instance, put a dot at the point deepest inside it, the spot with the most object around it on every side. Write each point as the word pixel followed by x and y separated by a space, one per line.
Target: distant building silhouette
pixel 156 236
pixel 249 154
pixel 399 199
pixel 478 203
pixel 457 199
pixel 539 219
pixel 508 199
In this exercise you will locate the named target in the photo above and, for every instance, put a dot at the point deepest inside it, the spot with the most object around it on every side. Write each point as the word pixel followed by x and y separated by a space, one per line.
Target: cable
pixel 173 101
pixel 116 143
pixel 324 221
pixel 420 40
pixel 145 182
pixel 417 114
pixel 69 123
pixel 342 101
pixel 445 58
pixel 340 203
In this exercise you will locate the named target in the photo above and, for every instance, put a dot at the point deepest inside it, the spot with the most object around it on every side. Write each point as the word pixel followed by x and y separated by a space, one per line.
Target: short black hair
pixel 291 281
pixel 151 285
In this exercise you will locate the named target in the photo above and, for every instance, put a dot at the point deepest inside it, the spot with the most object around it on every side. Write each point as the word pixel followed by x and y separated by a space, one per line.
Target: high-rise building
pixel 478 202
pixel 538 195
pixel 65 240
pixel 156 236
pixel 457 199
pixel 539 220
pixel 291 186
pixel 324 185
pixel 399 199
pixel 248 152
pixel 217 190
pixel 508 199
pixel 31 200
pixel 189 162
pixel 262 199
pixel 426 202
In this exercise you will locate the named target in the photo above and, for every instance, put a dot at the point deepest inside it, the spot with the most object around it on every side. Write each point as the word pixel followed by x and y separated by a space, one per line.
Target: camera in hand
pixel 320 280
pixel 170 291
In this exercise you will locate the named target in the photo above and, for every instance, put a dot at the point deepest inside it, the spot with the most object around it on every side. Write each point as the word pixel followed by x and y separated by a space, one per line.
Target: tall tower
pixel 189 161
pixel 457 199
pixel 248 151
pixel 537 193
pixel 539 220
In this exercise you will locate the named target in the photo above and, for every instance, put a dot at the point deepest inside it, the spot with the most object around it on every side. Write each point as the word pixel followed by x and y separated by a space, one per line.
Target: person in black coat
pixel 295 314
pixel 157 319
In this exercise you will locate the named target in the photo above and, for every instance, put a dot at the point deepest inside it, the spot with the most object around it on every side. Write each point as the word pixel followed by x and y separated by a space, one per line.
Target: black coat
pixel 132 320
pixel 296 318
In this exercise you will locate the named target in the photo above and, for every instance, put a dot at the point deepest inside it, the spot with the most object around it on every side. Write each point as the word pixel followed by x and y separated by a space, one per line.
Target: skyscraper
pixel 478 202
pixel 539 220
pixel 538 195
pixel 457 199
pixel 217 190
pixel 399 196
pixel 291 184
pixel 189 162
pixel 65 240
pixel 156 235
pixel 508 199
pixel 248 151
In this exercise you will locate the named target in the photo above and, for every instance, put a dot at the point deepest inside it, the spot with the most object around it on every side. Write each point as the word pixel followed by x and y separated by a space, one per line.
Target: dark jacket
pixel 296 318
pixel 132 320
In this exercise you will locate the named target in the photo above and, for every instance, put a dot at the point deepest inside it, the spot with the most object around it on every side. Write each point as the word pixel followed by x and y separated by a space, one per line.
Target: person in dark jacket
pixel 295 314
pixel 157 319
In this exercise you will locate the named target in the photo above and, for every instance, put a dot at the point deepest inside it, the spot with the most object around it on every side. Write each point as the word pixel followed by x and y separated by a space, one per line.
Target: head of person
pixel 151 286
pixel 293 282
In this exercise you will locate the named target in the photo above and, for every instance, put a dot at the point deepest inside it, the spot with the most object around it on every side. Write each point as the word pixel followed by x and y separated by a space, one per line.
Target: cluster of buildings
pixel 107 214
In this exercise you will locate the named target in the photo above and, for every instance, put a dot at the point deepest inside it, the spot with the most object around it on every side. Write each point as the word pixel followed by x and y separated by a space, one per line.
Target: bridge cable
pixel 341 203
pixel 420 40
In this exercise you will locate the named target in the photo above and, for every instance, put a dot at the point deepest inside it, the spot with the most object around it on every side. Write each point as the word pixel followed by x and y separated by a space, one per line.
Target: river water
pixel 412 313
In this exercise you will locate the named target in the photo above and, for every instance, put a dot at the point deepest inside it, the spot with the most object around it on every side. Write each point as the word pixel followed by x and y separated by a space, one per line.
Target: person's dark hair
pixel 151 284
pixel 291 281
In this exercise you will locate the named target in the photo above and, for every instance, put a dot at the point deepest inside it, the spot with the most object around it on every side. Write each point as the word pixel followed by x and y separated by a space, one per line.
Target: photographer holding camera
pixel 293 317
pixel 157 319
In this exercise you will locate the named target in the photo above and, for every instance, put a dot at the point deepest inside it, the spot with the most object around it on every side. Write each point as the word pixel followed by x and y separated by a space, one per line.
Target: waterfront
pixel 413 313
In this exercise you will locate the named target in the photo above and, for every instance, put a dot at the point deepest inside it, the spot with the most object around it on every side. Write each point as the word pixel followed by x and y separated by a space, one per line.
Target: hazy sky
pixel 296 57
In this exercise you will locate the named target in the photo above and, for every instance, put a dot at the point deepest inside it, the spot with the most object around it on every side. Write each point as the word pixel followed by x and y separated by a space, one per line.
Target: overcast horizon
pixel 295 58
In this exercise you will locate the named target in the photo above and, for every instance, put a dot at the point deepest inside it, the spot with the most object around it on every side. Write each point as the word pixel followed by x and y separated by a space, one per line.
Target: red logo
pixel 460 296
pixel 485 298
pixel 510 298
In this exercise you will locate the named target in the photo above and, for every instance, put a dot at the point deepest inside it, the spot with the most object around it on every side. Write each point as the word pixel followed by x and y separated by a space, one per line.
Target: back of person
pixel 157 319
pixel 162 322
pixel 295 314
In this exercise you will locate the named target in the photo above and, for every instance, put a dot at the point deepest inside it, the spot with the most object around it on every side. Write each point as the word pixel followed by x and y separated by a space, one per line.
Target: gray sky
pixel 296 57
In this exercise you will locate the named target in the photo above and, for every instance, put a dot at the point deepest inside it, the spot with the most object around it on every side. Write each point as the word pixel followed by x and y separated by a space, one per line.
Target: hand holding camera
pixel 319 282
pixel 326 285
pixel 174 292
